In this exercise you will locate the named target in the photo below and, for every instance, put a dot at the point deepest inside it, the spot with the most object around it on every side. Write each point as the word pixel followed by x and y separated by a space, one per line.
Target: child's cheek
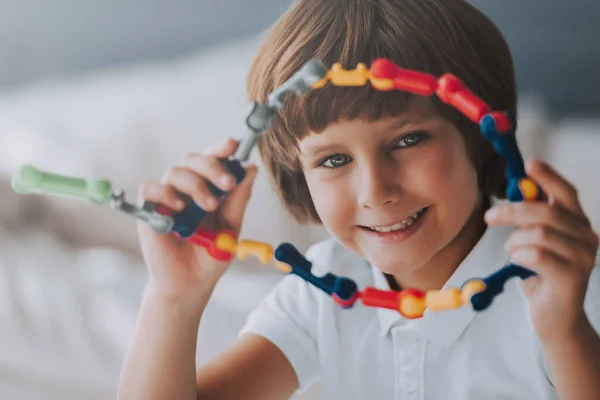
pixel 448 168
pixel 332 200
pixel 448 180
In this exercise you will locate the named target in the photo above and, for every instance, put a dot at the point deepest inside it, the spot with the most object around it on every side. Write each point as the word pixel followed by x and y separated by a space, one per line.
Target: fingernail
pixel 491 214
pixel 227 180
pixel 518 257
pixel 179 204
pixel 211 202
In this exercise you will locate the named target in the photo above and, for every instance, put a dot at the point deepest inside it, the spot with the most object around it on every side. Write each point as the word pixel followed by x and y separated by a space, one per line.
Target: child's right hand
pixel 179 269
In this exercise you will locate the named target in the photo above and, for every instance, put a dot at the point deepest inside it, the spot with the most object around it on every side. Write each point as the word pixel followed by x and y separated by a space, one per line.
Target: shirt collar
pixel 444 327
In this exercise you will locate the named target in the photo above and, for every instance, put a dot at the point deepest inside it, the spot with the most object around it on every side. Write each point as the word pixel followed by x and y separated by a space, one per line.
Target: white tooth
pixel 405 223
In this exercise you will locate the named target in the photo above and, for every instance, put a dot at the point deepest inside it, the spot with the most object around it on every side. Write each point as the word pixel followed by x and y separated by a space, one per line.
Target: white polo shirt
pixel 373 353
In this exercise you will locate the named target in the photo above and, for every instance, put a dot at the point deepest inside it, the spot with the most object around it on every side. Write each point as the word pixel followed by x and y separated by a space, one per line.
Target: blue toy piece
pixel 186 222
pixel 504 142
pixel 506 145
pixel 343 288
pixel 494 285
pixel 497 127
pixel 258 122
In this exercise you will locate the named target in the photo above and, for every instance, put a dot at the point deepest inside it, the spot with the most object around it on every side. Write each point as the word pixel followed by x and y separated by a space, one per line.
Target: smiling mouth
pixel 399 226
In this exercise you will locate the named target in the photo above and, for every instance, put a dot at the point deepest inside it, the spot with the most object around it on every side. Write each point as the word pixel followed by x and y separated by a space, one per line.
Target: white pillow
pixel 129 125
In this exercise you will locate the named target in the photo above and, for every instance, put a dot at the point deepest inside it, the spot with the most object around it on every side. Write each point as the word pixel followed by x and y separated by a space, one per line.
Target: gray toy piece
pixel 258 121
pixel 161 224
pixel 261 115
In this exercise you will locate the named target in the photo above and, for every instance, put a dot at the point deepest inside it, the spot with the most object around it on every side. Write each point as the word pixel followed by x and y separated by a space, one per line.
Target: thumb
pixel 235 203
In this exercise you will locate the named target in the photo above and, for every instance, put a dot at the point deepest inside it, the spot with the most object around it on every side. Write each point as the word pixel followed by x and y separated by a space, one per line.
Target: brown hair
pixel 434 36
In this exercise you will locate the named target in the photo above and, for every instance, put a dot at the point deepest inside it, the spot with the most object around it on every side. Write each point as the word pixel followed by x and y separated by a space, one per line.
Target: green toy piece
pixel 29 179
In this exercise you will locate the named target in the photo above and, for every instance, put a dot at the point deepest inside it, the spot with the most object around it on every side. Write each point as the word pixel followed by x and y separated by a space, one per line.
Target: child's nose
pixel 378 185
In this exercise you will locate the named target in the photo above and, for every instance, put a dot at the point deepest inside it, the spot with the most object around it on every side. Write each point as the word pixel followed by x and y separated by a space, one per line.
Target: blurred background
pixel 122 90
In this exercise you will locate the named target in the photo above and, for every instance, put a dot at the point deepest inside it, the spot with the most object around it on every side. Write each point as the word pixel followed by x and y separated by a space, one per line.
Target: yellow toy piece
pixel 339 76
pixel 224 241
pixel 437 300
pixel 283 267
pixel 529 189
pixel 382 84
pixel 263 251
pixel 470 288
pixel 359 76
pixel 411 306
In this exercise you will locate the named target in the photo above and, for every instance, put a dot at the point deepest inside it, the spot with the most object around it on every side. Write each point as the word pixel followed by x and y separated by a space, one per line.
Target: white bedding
pixel 67 315
pixel 68 310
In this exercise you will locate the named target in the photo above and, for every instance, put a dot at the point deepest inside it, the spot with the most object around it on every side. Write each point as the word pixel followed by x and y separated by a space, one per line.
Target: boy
pixel 402 184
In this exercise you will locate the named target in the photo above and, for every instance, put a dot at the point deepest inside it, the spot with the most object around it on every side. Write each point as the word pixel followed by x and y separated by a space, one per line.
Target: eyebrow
pixel 312 152
pixel 414 121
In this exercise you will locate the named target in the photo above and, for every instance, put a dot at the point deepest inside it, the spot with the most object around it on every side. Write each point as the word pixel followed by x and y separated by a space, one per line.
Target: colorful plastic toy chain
pixel 496 126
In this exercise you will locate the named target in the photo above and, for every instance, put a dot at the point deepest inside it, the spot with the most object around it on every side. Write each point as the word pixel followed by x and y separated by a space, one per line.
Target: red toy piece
pixel 452 90
pixel 403 79
pixel 206 239
pixel 503 123
pixel 202 237
pixel 373 297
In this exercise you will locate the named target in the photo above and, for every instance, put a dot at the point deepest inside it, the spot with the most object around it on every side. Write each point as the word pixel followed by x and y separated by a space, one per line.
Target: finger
pixel 190 184
pixel 550 240
pixel 235 204
pixel 556 187
pixel 530 214
pixel 543 262
pixel 223 149
pixel 161 194
pixel 212 169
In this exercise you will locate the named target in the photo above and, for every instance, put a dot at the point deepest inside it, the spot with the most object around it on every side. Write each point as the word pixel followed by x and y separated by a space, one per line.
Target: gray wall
pixel 556 43
pixel 47 38
pixel 556 47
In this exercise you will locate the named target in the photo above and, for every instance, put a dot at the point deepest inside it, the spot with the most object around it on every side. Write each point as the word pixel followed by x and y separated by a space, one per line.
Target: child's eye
pixel 412 139
pixel 334 161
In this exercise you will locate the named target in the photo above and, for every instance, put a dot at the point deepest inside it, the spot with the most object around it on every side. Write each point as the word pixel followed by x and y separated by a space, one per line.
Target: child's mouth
pixel 399 226
pixel 398 232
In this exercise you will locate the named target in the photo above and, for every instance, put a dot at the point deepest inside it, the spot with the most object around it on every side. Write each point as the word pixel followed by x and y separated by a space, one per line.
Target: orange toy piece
pixel 529 189
pixel 263 251
pixel 411 303
pixel 226 241
pixel 470 288
pixel 451 90
pixel 339 76
pixel 437 300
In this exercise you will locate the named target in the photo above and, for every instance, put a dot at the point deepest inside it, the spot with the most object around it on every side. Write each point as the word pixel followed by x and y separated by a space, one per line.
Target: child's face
pixel 381 175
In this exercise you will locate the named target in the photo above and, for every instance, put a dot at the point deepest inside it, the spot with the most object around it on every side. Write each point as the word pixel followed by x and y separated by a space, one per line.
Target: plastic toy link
pixel 496 126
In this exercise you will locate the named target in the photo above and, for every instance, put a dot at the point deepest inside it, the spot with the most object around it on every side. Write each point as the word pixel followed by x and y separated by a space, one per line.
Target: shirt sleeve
pixel 288 317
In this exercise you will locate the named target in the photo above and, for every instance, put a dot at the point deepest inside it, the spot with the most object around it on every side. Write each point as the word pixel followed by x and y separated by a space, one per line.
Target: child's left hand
pixel 554 238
